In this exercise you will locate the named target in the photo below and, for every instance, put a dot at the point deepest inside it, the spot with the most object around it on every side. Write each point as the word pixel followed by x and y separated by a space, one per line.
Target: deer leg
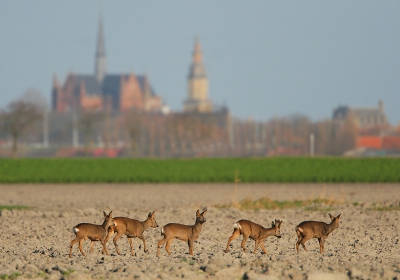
pixel 235 235
pixel 245 237
pixel 80 247
pixel 167 246
pixel 91 246
pixel 159 244
pixel 110 233
pixel 144 243
pixel 321 245
pixel 190 242
pixel 104 250
pixel 304 247
pixel 131 245
pixel 263 247
pixel 76 240
pixel 115 241
pixel 303 243
pixel 104 247
pixel 298 243
pixel 257 243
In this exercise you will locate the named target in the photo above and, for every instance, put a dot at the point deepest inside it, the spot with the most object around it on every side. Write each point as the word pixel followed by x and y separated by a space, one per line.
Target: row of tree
pixel 140 134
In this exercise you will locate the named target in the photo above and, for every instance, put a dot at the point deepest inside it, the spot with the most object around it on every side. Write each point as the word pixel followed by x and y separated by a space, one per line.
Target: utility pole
pixel 75 136
pixel 45 127
pixel 311 144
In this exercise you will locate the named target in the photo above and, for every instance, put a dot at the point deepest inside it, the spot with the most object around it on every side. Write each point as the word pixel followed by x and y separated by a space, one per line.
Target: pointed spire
pixel 197 67
pixel 100 64
pixel 197 55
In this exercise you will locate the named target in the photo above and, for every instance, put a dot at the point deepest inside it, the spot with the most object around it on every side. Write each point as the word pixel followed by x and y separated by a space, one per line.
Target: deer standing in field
pixel 93 232
pixel 256 232
pixel 313 229
pixel 131 228
pixel 181 232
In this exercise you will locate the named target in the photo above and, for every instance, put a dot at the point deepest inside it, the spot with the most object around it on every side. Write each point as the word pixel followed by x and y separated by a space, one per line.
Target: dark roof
pixel 340 112
pixel 111 85
pixel 92 86
pixel 142 80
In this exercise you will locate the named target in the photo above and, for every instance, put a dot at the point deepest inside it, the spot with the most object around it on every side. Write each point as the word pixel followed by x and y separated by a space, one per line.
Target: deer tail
pixel 237 226
pixel 299 230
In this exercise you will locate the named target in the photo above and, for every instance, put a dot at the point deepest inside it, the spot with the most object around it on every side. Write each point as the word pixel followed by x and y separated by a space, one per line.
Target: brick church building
pixel 119 92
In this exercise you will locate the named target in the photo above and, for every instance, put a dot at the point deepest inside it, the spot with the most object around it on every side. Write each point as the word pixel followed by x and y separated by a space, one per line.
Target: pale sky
pixel 263 58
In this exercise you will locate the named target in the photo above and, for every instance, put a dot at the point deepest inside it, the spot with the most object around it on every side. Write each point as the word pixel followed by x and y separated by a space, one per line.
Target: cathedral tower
pixel 197 99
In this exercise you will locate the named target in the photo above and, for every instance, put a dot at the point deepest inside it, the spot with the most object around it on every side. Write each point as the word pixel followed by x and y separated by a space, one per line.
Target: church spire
pixel 197 67
pixel 100 64
pixel 197 98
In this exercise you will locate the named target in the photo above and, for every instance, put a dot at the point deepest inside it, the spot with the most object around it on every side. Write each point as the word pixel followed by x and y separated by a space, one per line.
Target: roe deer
pixel 131 228
pixel 93 232
pixel 256 232
pixel 313 229
pixel 181 232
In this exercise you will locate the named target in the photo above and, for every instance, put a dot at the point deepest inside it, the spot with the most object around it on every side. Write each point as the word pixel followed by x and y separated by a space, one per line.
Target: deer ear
pixel 149 215
pixel 104 213
pixel 203 213
pixel 197 212
pixel 338 216
pixel 273 224
pixel 330 216
pixel 110 214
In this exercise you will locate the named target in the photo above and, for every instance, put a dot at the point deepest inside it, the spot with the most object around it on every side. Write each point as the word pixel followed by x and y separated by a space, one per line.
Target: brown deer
pixel 313 229
pixel 131 228
pixel 92 232
pixel 256 232
pixel 181 232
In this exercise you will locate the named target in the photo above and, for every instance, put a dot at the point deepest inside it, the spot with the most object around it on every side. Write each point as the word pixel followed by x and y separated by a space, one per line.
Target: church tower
pixel 197 99
pixel 100 63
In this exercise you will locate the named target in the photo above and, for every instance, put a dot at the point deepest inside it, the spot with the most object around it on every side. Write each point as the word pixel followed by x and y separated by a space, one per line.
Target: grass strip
pixel 13 207
pixel 250 170
pixel 316 204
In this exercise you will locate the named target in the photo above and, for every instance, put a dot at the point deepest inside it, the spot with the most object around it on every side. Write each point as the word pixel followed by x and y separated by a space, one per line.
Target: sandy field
pixel 34 243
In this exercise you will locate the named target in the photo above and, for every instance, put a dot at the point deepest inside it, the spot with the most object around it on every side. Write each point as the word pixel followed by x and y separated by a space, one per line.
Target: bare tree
pixel 88 120
pixel 33 96
pixel 19 115
pixel 133 123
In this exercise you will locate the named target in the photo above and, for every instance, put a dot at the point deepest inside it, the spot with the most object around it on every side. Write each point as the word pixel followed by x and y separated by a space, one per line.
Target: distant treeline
pixel 247 170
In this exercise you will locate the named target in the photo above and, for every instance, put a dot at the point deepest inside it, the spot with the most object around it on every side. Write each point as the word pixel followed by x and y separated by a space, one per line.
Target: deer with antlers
pixel 131 228
pixel 93 232
pixel 182 232
pixel 256 232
